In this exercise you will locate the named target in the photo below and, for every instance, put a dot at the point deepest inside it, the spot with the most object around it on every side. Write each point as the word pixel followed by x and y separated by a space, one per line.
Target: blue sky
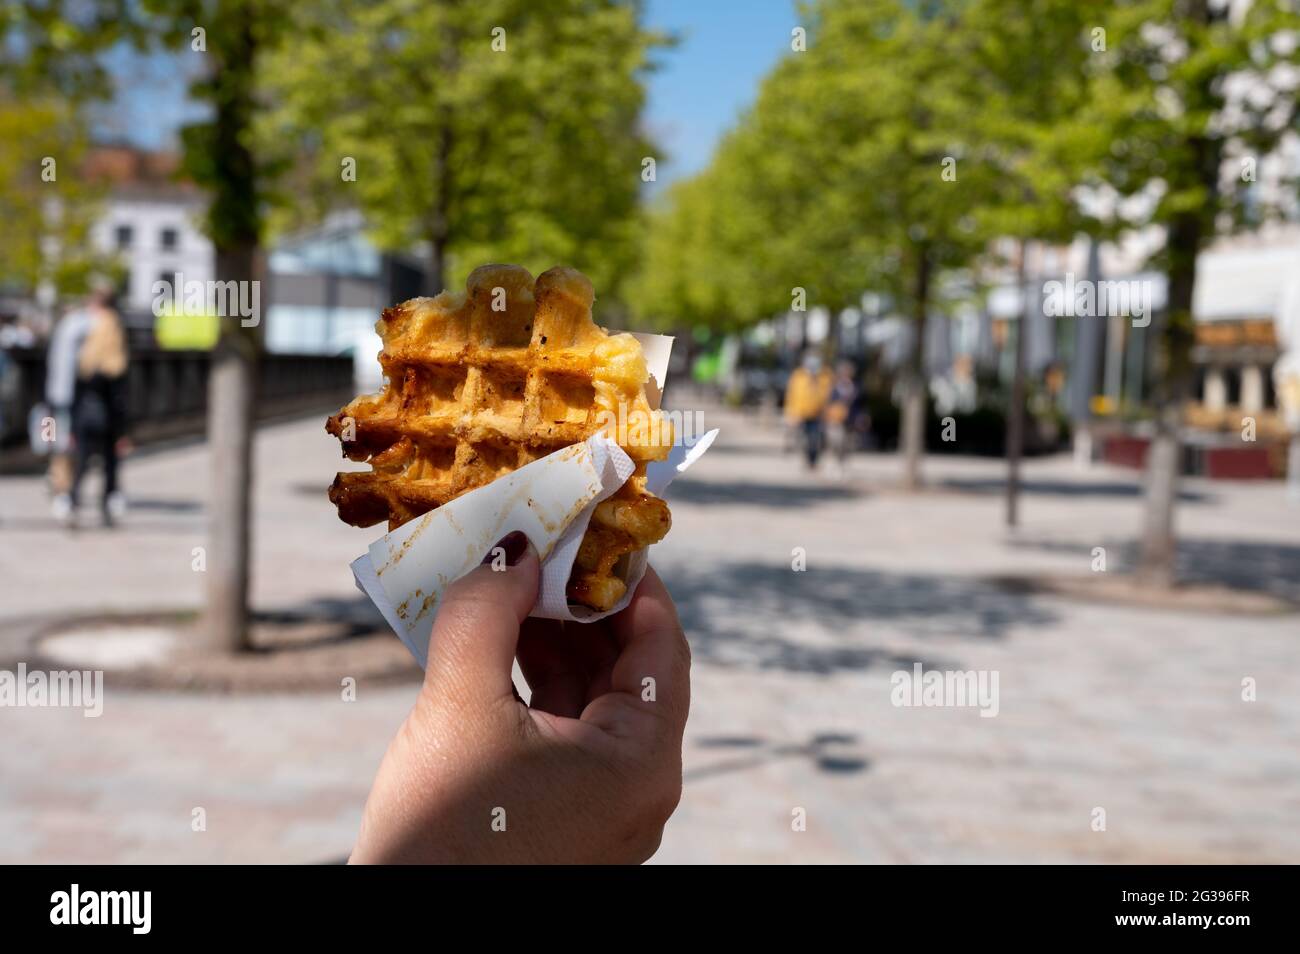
pixel 725 48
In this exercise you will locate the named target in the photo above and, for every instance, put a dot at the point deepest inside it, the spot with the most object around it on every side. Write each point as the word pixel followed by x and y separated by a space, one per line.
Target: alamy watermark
pixel 633 427
pixel 1084 298
pixel 946 688
pixel 196 299
pixel 58 689
pixel 131 909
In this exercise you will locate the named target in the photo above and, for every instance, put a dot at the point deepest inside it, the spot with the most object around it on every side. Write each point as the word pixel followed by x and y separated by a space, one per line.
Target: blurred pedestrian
pixel 806 397
pixel 99 409
pixel 15 334
pixel 841 412
pixel 60 388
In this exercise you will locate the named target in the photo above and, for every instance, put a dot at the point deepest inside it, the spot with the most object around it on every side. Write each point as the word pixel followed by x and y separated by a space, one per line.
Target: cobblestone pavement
pixel 1135 711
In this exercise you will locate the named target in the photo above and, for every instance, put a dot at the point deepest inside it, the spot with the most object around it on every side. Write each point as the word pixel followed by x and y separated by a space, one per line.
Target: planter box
pixel 1262 461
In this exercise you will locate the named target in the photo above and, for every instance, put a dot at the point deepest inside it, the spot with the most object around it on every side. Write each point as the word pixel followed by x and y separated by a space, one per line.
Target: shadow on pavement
pixel 164 505
pixel 357 613
pixel 1272 568
pixel 742 447
pixel 1061 488
pixel 828 752
pixel 831 753
pixel 88 521
pixel 755 615
pixel 747 493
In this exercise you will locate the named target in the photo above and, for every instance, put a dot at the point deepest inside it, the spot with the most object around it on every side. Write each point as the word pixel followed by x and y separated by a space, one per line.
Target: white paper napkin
pixel 551 500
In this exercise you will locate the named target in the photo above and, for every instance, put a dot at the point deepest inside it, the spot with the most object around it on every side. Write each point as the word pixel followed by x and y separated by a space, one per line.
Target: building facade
pixel 151 221
pixel 324 288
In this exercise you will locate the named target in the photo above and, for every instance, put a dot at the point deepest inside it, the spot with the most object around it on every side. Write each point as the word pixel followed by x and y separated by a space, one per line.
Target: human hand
pixel 588 773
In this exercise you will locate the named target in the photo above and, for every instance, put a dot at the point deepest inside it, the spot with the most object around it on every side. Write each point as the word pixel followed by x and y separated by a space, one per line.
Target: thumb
pixel 472 646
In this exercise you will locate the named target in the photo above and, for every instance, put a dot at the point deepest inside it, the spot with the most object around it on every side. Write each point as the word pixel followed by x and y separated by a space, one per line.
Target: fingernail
pixel 511 547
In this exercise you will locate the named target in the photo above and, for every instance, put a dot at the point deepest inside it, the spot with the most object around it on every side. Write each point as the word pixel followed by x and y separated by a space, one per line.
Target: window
pixel 169 279
pixel 122 235
pixel 1232 384
pixel 168 238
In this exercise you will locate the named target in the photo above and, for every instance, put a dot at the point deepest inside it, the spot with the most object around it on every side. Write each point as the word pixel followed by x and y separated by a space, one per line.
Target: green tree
pixel 830 184
pixel 713 256
pixel 782 206
pixel 1027 92
pixel 855 173
pixel 678 285
pixel 484 130
pixel 55 46
pixel 50 68
pixel 46 203
pixel 1192 94
pixel 234 37
pixel 896 89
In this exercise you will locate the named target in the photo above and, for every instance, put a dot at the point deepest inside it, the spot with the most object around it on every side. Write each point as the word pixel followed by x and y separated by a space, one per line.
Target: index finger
pixel 654 665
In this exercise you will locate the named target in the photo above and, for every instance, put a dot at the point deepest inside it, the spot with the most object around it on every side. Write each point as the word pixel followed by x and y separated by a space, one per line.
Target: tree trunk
pixel 912 426
pixel 1159 546
pixel 440 223
pixel 1084 367
pixel 435 281
pixel 1016 407
pixel 232 387
pixel 235 219
pixel 1171 382
pixel 833 334
pixel 1187 232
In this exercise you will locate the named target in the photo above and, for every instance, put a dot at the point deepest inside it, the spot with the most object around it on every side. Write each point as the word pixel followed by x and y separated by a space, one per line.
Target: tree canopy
pixel 487 130
pixel 46 203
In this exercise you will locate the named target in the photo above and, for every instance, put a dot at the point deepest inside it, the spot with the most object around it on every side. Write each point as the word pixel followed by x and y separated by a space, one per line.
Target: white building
pixel 152 222
pixel 325 287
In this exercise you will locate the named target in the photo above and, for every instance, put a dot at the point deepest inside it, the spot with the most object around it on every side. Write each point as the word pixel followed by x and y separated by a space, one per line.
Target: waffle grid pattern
pixel 482 383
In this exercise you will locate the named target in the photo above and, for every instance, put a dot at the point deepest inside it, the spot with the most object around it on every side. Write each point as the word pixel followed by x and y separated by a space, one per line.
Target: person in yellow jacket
pixel 806 397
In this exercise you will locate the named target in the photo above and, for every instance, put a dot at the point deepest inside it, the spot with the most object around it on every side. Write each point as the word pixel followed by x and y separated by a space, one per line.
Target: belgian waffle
pixel 482 382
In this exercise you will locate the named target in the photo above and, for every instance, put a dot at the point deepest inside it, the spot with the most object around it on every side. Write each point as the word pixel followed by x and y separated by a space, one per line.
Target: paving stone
pixel 1137 711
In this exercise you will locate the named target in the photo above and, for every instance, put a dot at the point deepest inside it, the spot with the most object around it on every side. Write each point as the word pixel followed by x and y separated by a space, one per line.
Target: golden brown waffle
pixel 482 382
